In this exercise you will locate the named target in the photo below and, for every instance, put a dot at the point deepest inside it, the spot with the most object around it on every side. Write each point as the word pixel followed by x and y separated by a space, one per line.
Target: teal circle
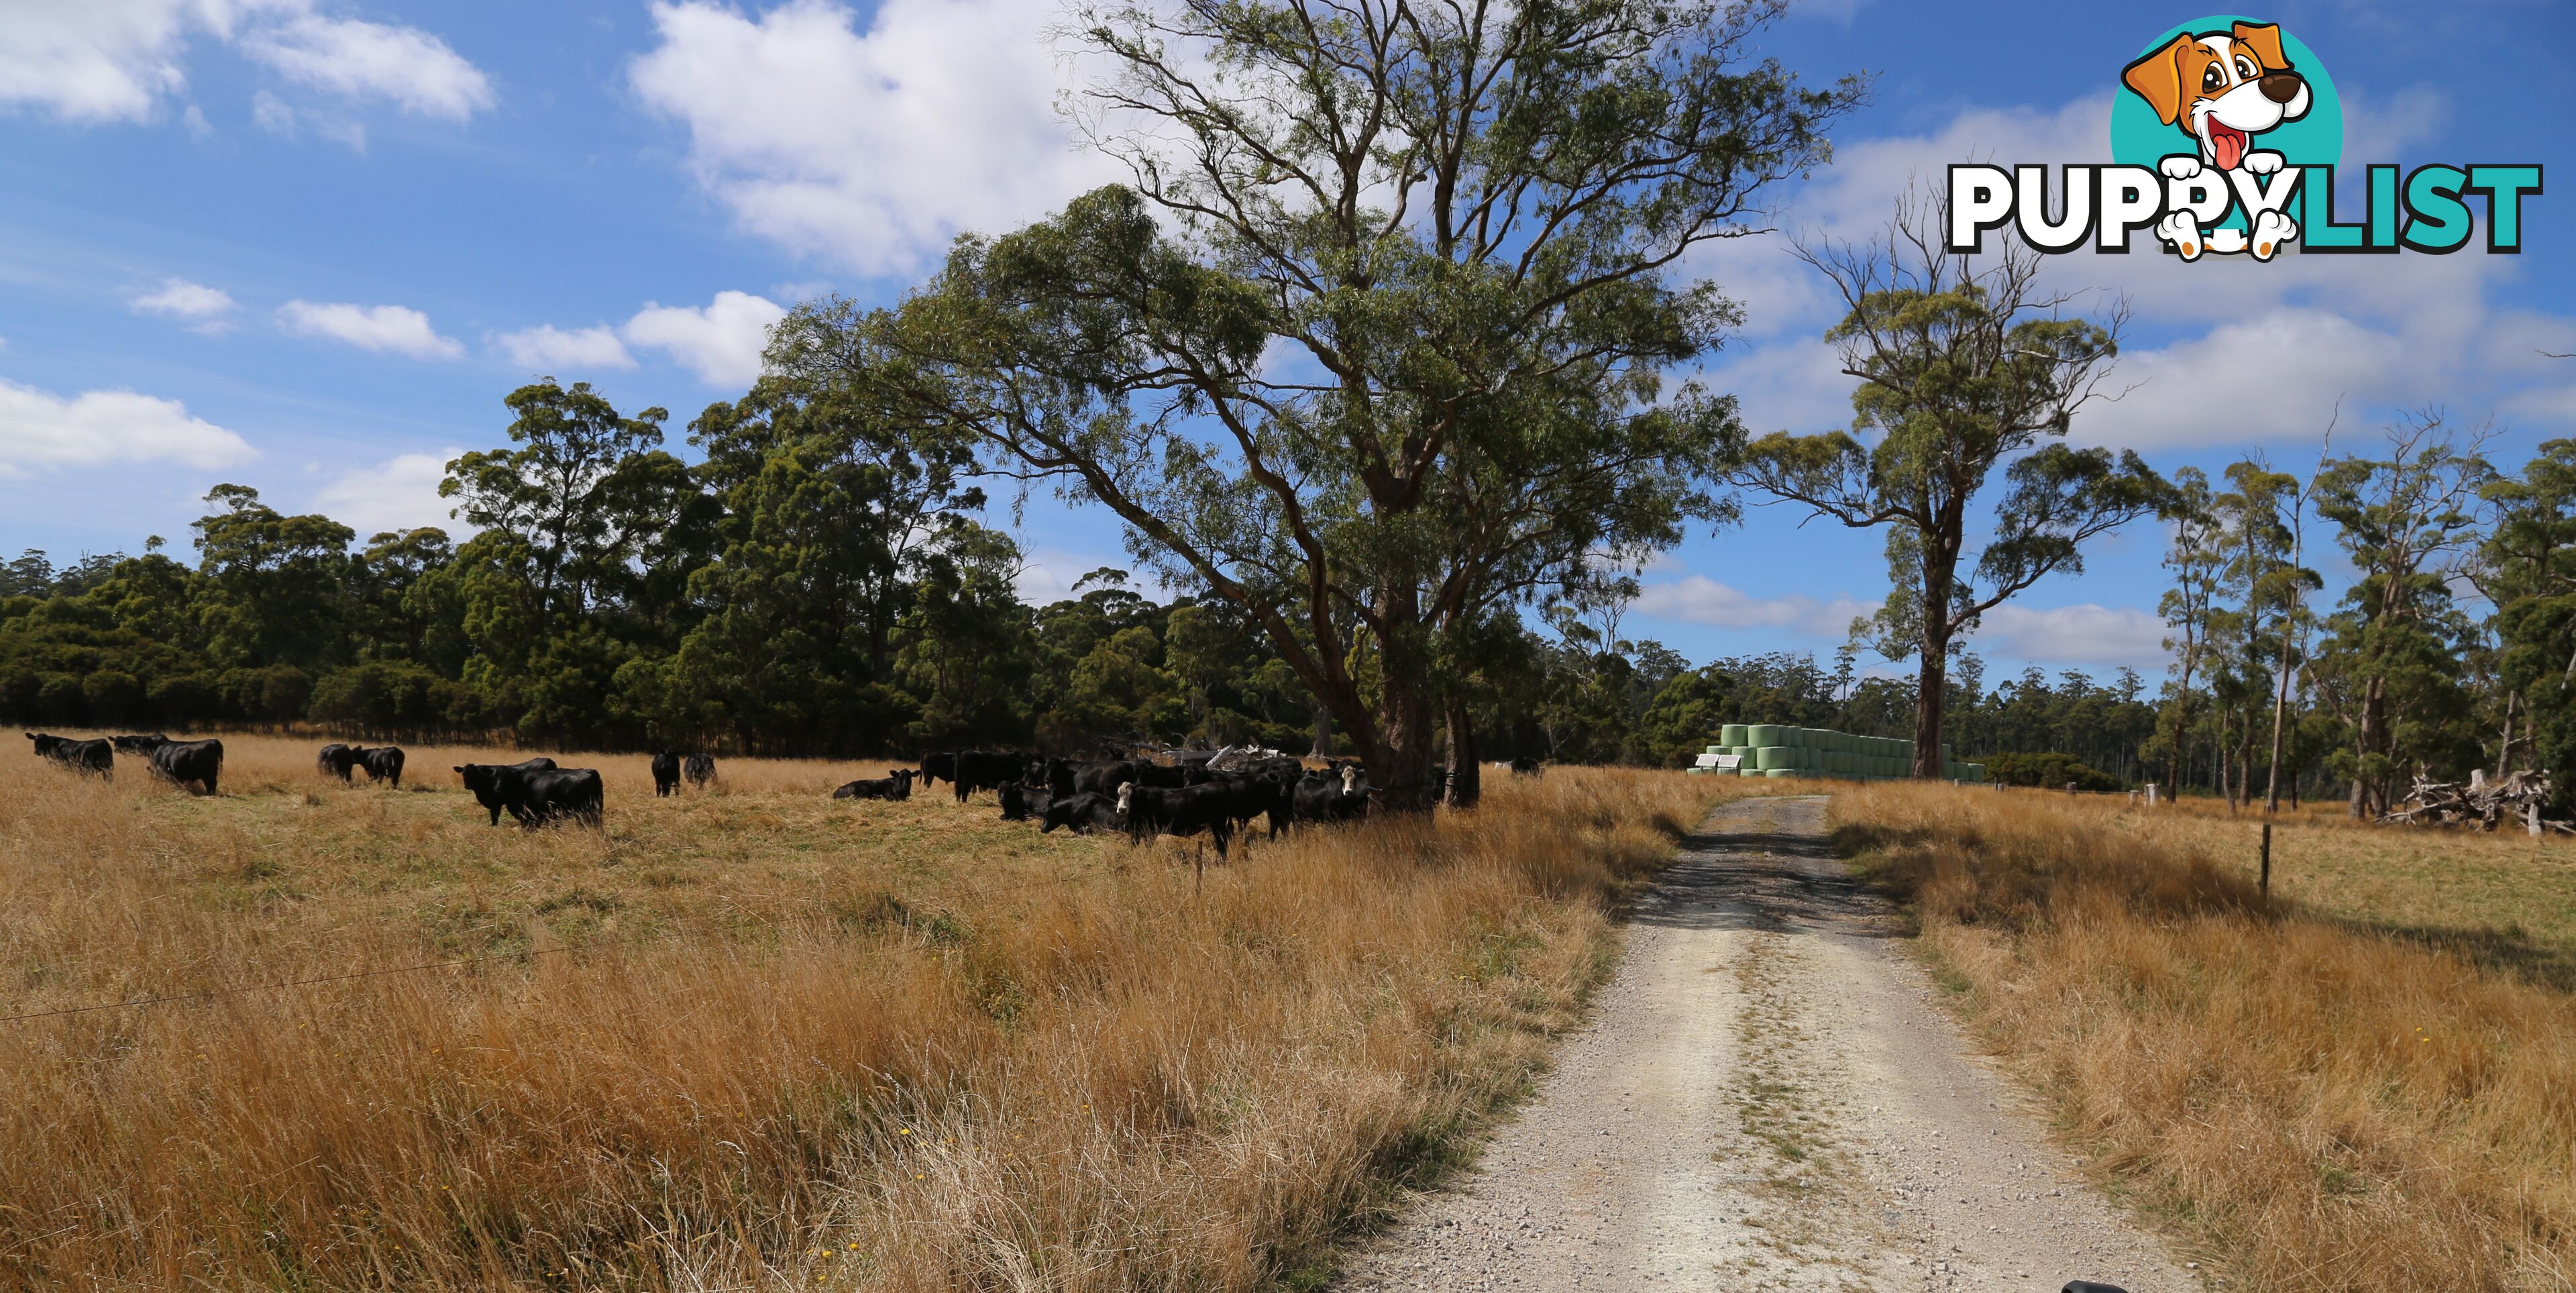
pixel 2139 139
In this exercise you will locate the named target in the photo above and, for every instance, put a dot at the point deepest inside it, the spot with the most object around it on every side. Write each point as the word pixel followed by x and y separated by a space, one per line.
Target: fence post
pixel 2151 794
pixel 2265 883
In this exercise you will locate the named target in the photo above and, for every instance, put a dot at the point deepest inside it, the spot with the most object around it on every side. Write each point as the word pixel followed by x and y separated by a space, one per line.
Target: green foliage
pixel 2049 771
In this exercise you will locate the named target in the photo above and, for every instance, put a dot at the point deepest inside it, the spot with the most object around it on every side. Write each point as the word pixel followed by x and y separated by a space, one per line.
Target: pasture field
pixel 756 1038
pixel 2367 1083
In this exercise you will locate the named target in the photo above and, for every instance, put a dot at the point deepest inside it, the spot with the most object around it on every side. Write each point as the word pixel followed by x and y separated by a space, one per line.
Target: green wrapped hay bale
pixel 1769 757
pixel 1766 735
pixel 1780 772
pixel 1731 734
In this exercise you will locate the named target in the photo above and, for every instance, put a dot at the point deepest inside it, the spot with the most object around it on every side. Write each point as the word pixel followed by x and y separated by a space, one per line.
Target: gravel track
pixel 1768 1097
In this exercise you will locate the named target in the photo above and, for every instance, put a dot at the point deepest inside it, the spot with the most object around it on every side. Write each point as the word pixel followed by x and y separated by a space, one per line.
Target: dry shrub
pixel 2331 1108
pixel 758 1038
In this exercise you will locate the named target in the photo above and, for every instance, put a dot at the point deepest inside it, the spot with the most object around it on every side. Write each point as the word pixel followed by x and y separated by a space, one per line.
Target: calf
pixel 699 769
pixel 81 756
pixel 1152 810
pixel 538 796
pixel 666 773
pixel 335 760
pixel 383 763
pixel 895 785
pixel 484 779
pixel 194 764
pixel 1080 813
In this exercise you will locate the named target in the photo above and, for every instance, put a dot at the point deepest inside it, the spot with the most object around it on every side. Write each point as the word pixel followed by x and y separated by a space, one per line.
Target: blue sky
pixel 308 246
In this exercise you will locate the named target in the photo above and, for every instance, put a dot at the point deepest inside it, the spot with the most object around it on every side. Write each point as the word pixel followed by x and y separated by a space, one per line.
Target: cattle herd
pixel 1219 796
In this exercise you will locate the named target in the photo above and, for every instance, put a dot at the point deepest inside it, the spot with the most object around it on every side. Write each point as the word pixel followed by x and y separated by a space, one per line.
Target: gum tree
pixel 1375 339
pixel 1962 370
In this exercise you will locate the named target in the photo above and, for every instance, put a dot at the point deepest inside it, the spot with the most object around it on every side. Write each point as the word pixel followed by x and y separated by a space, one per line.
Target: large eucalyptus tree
pixel 1375 341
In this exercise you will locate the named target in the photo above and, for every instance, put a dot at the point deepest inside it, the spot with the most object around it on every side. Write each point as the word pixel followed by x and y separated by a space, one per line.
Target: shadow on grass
pixel 2508 951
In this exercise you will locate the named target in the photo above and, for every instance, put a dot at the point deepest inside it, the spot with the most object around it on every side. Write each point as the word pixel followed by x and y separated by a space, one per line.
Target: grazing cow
pixel 383 763
pixel 1333 795
pixel 895 785
pixel 666 773
pixel 80 756
pixel 699 769
pixel 536 797
pixel 194 764
pixel 1080 813
pixel 336 760
pixel 484 779
pixel 136 743
pixel 1150 810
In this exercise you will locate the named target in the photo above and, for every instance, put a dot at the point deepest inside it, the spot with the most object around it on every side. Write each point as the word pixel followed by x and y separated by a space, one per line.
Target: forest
pixel 815 586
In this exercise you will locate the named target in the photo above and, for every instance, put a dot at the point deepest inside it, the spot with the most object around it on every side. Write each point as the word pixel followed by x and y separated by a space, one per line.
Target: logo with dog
pixel 2226 133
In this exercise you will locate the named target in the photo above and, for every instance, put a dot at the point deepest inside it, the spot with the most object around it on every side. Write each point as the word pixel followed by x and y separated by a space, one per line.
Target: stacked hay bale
pixel 1779 750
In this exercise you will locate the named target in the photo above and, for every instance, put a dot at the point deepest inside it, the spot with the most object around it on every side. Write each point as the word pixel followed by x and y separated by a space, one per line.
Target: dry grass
pixel 756 1038
pixel 2326 1102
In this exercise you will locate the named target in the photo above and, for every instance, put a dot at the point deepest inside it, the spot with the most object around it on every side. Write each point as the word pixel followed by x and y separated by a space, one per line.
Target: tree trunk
pixel 2280 712
pixel 1323 747
pixel 2363 741
pixel 1399 766
pixel 1930 692
pixel 1466 782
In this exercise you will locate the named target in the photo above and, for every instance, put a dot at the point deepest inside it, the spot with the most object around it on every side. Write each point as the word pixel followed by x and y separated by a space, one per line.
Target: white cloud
pixel 39 429
pixel 720 342
pixel 401 494
pixel 1698 599
pixel 201 307
pixel 874 145
pixel 355 59
pixel 96 61
pixel 2267 379
pixel 549 347
pixel 386 329
pixel 2074 635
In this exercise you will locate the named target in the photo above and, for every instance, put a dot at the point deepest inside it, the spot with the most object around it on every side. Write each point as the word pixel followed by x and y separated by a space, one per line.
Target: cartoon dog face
pixel 2222 88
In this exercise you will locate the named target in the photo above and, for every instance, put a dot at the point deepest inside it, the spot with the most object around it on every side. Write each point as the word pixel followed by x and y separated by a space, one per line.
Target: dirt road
pixel 1768 1098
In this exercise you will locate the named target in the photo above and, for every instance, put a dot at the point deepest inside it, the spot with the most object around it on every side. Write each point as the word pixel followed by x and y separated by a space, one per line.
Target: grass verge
pixel 2327 1105
pixel 757 1038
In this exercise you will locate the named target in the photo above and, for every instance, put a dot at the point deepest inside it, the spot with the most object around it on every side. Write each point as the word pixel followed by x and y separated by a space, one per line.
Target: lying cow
pixel 383 763
pixel 1080 813
pixel 81 756
pixel 336 760
pixel 484 779
pixel 895 785
pixel 193 764
pixel 1019 802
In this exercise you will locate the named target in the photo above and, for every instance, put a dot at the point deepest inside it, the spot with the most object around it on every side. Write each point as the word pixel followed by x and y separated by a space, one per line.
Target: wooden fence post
pixel 2265 883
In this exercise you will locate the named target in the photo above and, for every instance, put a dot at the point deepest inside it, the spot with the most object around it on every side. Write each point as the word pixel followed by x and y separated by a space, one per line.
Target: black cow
pixel 80 756
pixel 666 773
pixel 383 763
pixel 936 768
pixel 336 760
pixel 1080 813
pixel 1150 810
pixel 538 796
pixel 1019 802
pixel 1059 776
pixel 484 779
pixel 136 743
pixel 1525 766
pixel 699 769
pixel 984 770
pixel 1333 795
pixel 895 785
pixel 194 764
